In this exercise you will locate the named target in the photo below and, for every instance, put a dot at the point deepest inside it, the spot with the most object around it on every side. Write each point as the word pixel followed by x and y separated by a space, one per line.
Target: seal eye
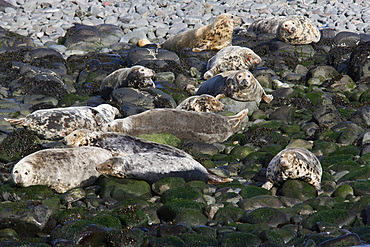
pixel 75 135
pixel 26 173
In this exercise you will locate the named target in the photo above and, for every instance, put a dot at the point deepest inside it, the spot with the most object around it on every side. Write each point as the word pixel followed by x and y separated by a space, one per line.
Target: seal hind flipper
pixel 237 118
pixel 216 179
pixel 19 121
pixel 267 97
pixel 219 96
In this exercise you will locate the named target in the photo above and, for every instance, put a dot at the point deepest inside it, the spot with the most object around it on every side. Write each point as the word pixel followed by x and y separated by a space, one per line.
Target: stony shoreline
pixel 321 102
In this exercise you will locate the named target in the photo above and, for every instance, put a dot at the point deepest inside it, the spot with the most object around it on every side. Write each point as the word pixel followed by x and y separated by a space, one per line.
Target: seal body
pixel 135 77
pixel 294 163
pixel 202 103
pixel 152 167
pixel 237 84
pixel 266 25
pixel 61 169
pixel 231 58
pixel 119 143
pixel 298 31
pixel 56 123
pixel 211 37
pixel 295 30
pixel 201 126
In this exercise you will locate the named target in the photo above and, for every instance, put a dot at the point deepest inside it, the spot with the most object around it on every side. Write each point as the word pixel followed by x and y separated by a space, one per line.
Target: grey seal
pixel 231 58
pixel 294 163
pixel 61 168
pixel 135 77
pixel 202 103
pixel 237 84
pixel 201 126
pixel 214 36
pixel 152 167
pixel 56 123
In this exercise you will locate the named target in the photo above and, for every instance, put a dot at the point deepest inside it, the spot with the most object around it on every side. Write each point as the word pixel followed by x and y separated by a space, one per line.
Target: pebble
pixel 51 19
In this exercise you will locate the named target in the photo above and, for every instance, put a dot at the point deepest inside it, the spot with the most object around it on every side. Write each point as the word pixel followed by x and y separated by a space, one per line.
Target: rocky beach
pixel 56 54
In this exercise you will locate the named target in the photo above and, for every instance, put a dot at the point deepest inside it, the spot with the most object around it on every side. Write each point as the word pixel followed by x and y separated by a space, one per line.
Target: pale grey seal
pixel 56 123
pixel 202 103
pixel 135 77
pixel 152 167
pixel 119 143
pixel 237 84
pixel 231 58
pixel 211 37
pixel 61 168
pixel 294 163
pixel 201 126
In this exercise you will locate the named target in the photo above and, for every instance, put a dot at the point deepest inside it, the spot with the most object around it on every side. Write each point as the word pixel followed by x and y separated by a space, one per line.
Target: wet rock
pixel 130 215
pixel 72 214
pixel 80 232
pixel 341 83
pixel 271 216
pixel 227 215
pixel 165 184
pixel 198 240
pixel 298 189
pixel 349 134
pixel 10 40
pixel 323 73
pixel 327 116
pixel 346 39
pixel 191 217
pixel 343 191
pixel 153 57
pixel 91 38
pixel 123 189
pixel 36 80
pixel 361 116
pixel 19 144
pixel 357 174
pixel 167 241
pixel 346 240
pixel 108 220
pixel 359 62
pixel 336 216
pixel 134 237
pixel 251 191
pixel 182 193
pixel 284 114
pixel 169 210
pixel 271 237
pixel 27 218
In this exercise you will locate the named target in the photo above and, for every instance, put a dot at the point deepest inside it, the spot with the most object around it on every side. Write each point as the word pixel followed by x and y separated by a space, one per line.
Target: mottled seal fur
pixel 201 126
pixel 202 103
pixel 231 58
pixel 211 37
pixel 135 77
pixel 152 167
pixel 295 30
pixel 119 143
pixel 294 163
pixel 237 84
pixel 56 123
pixel 61 169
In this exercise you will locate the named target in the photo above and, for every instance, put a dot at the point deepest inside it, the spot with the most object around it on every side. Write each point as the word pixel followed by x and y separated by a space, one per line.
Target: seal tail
pixel 19 121
pixel 215 179
pixel 237 119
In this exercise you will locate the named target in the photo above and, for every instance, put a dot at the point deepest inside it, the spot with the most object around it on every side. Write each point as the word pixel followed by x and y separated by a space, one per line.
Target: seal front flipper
pixel 19 121
pixel 267 98
pixel 237 119
pixel 203 47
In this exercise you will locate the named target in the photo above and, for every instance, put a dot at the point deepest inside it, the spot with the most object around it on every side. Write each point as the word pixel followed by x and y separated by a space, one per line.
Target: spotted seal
pixel 294 163
pixel 202 103
pixel 135 77
pixel 56 123
pixel 295 30
pixel 231 58
pixel 298 31
pixel 207 127
pixel 154 166
pixel 211 37
pixel 237 84
pixel 60 168
pixel 119 143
